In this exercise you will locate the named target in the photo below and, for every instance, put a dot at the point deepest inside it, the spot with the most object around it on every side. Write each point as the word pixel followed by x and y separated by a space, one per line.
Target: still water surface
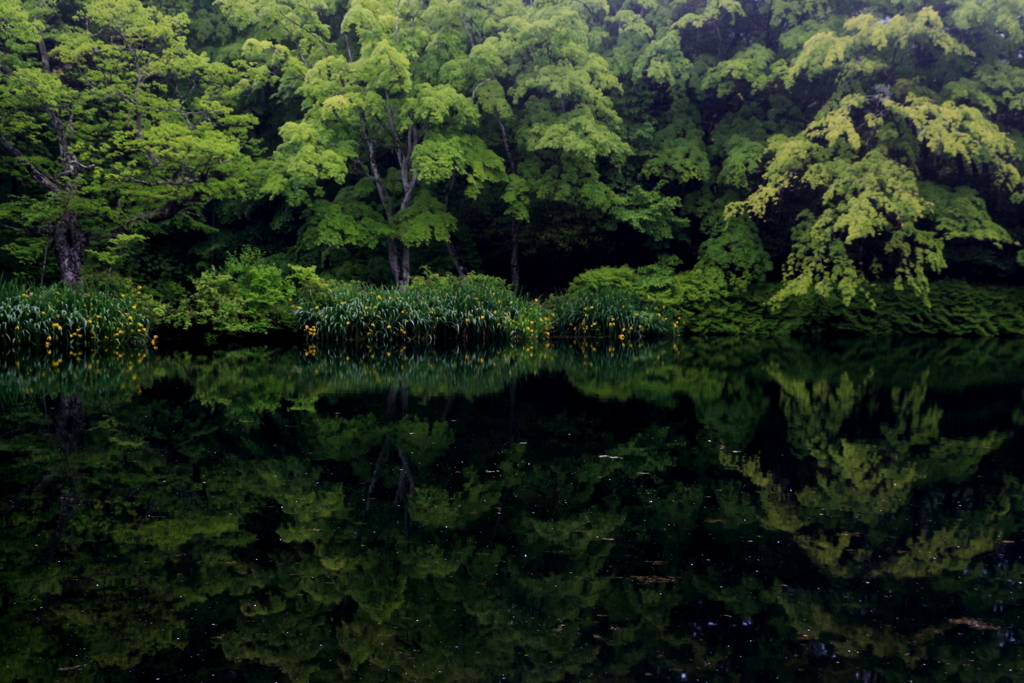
pixel 715 511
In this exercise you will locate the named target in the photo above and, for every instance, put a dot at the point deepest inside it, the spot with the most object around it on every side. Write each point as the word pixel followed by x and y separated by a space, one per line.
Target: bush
pixel 248 294
pixel 618 303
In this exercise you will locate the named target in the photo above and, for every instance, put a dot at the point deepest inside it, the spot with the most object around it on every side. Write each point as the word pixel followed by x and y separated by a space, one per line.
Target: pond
pixel 722 510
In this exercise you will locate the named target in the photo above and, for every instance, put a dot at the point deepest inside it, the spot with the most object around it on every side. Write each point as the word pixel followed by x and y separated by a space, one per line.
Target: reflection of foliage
pixel 855 518
pixel 326 519
pixel 111 372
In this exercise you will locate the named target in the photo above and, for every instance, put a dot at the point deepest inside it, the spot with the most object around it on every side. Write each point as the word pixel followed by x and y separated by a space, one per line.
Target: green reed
pixel 60 317
pixel 606 314
pixel 432 310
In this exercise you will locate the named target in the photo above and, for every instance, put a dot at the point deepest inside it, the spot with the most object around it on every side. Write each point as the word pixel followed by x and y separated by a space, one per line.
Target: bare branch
pixel 472 96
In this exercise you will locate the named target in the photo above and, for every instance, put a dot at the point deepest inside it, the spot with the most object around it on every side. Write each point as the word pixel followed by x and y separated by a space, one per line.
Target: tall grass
pixel 68 318
pixel 608 314
pixel 432 310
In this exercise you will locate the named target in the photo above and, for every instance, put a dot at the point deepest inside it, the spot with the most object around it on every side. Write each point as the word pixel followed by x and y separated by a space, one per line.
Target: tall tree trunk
pixel 69 245
pixel 453 252
pixel 515 253
pixel 398 260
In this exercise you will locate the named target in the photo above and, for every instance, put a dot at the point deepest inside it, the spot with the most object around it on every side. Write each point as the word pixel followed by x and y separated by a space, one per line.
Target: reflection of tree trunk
pixel 395 392
pixel 69 423
pixel 69 428
pixel 447 409
pixel 378 467
pixel 406 485
pixel 397 407
pixel 68 505
pixel 513 430
pixel 389 414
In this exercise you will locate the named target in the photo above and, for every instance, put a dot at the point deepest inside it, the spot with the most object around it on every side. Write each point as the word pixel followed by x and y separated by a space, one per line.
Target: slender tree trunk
pixel 406 275
pixel 515 253
pixel 453 252
pixel 69 247
pixel 398 260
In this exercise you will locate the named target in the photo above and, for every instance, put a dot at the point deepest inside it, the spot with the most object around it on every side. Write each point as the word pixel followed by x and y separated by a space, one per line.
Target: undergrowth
pixel 433 309
pixel 69 318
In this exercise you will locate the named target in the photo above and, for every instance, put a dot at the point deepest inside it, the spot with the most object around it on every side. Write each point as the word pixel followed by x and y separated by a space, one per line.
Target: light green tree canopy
pixel 114 122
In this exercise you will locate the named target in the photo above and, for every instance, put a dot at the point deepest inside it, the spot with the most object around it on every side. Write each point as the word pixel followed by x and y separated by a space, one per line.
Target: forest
pixel 742 164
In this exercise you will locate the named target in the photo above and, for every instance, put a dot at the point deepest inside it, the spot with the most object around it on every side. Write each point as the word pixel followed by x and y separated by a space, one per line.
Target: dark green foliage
pixel 957 309
pixel 683 304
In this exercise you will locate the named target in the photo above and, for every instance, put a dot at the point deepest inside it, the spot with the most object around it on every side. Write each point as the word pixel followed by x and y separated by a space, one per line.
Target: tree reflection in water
pixel 727 511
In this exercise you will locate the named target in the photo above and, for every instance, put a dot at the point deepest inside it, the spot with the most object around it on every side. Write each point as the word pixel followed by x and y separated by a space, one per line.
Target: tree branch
pixel 41 177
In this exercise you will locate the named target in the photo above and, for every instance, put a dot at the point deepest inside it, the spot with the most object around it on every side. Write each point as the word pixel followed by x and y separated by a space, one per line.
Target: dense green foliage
pixel 805 148
pixel 249 294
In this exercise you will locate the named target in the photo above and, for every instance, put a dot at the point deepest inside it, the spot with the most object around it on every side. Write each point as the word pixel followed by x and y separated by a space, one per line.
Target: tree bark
pixel 515 253
pixel 398 260
pixel 406 275
pixel 453 252
pixel 69 243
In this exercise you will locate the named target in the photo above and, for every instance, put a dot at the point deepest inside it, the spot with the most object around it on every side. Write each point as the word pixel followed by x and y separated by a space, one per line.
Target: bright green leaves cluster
pixel 248 294
pixel 877 167
pixel 114 122
pixel 383 127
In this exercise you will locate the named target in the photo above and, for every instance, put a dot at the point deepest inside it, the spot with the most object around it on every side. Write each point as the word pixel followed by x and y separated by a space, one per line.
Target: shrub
pixel 248 294
pixel 608 314
pixel 618 303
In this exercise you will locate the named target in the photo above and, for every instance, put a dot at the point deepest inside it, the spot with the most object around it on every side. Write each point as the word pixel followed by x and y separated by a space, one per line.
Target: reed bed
pixel 474 309
pixel 59 317
pixel 610 315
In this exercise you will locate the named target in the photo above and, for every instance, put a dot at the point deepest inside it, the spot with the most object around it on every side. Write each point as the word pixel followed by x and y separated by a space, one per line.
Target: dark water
pixel 716 511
